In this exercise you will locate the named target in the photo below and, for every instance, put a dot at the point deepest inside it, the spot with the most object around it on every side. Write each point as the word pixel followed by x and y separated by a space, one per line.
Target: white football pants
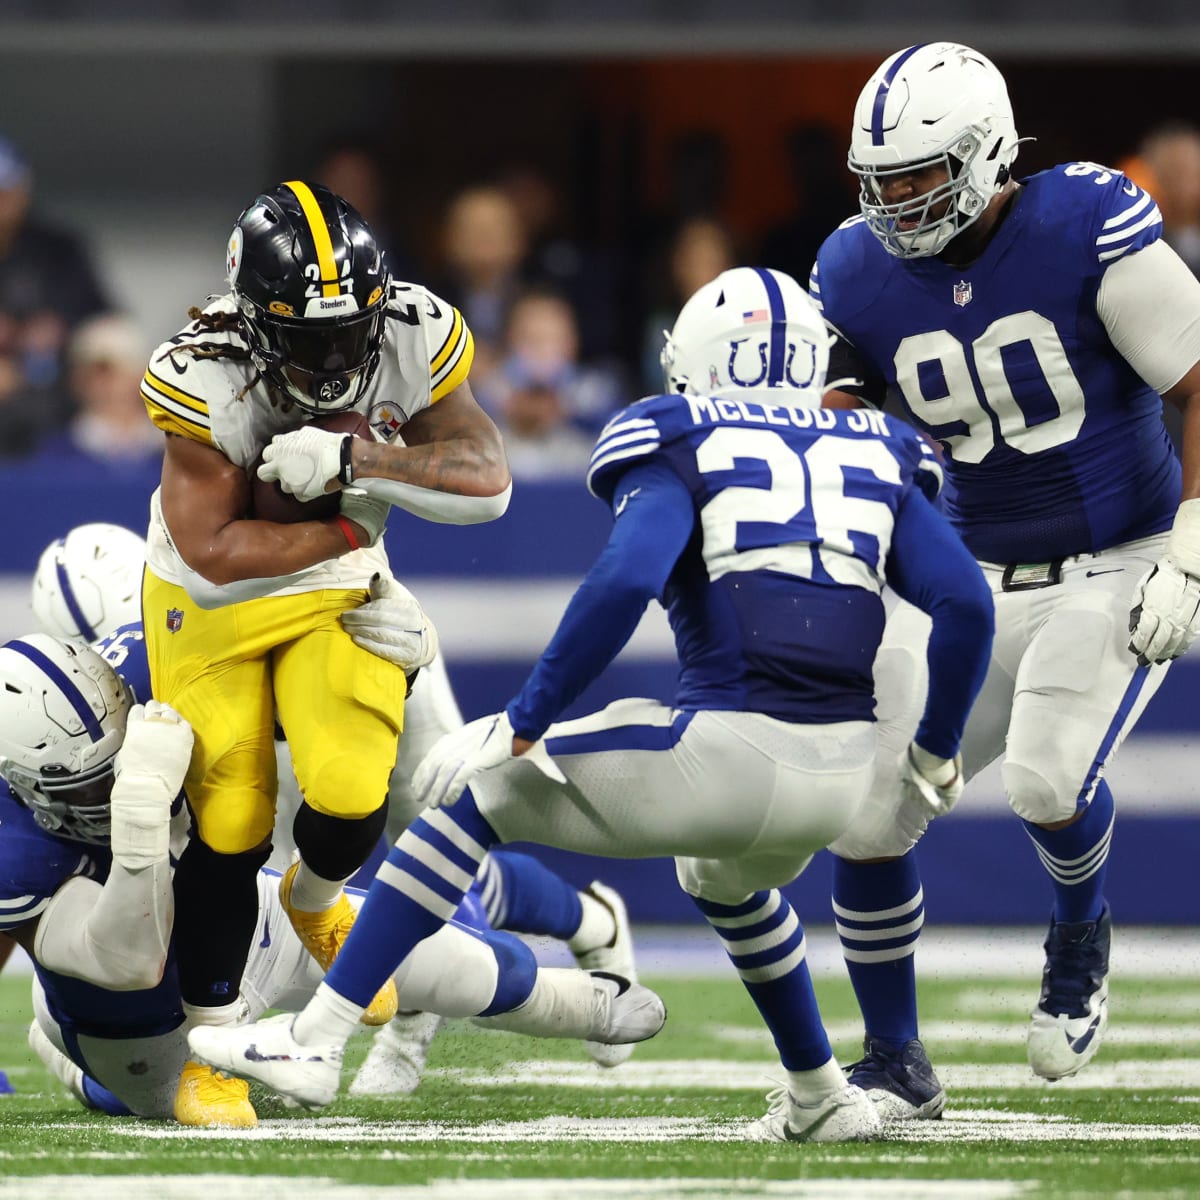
pixel 740 800
pixel 1061 694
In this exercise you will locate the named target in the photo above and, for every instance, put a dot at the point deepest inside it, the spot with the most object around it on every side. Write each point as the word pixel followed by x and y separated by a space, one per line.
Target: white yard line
pixel 202 1187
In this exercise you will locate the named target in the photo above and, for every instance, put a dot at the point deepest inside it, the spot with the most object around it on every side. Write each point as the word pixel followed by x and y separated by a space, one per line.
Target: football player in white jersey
pixel 242 616
pixel 1030 326
pixel 767 526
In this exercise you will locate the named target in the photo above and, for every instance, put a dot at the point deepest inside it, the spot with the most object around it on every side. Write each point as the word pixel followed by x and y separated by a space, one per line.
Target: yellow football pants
pixel 231 671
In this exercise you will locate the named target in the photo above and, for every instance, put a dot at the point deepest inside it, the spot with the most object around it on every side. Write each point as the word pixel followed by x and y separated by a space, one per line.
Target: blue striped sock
pixel 414 893
pixel 1076 858
pixel 879 909
pixel 522 895
pixel 765 942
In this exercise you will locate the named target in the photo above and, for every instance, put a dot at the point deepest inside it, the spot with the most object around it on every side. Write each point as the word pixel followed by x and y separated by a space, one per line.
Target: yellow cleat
pixel 323 934
pixel 207 1098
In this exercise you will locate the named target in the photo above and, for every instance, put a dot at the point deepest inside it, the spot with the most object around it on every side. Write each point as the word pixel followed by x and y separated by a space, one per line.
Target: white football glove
pixel 150 768
pixel 364 510
pixel 1165 616
pixel 392 625
pixel 303 461
pixel 456 758
pixel 935 782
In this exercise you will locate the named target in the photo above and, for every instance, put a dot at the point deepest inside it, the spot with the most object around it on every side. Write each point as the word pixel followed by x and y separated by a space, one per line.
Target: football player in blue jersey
pixel 89 780
pixel 87 588
pixel 767 526
pixel 1029 326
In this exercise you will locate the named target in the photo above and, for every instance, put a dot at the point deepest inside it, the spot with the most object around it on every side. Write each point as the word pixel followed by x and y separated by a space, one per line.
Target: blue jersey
pixel 1054 445
pixel 35 863
pixel 775 601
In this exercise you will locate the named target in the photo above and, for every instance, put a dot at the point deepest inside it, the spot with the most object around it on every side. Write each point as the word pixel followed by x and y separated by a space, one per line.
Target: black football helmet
pixel 311 289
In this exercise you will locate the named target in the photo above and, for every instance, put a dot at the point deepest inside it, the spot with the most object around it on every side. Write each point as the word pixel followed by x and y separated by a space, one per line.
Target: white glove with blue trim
pixel 393 626
pixel 1165 617
pixel 457 758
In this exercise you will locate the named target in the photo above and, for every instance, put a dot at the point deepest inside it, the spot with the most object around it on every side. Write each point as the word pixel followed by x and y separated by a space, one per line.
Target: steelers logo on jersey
pixel 386 419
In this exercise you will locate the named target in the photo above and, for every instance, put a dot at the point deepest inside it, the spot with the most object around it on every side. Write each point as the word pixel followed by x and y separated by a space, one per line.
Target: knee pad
pixel 335 847
pixel 1034 797
pixel 346 784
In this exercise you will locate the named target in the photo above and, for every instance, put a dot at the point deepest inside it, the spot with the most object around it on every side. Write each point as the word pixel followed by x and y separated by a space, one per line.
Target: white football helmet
pixel 89 583
pixel 750 328
pixel 62 720
pixel 940 103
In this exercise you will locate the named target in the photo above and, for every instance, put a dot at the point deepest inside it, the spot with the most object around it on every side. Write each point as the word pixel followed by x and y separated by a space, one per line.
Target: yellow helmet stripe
pixel 320 233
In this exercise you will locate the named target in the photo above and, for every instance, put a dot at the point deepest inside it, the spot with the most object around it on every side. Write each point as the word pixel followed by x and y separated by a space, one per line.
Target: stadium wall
pixel 496 592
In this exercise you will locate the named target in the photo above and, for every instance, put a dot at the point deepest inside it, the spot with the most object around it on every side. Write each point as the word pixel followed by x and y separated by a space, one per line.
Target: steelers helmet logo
pixel 233 255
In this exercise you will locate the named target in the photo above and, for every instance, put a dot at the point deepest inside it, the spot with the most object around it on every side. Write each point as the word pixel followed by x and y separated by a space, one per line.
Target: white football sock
pixel 562 1004
pixel 327 1017
pixel 312 893
pixel 597 926
pixel 811 1087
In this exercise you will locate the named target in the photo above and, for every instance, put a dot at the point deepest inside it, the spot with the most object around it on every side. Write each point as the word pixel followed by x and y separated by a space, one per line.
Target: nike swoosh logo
pixel 1084 1040
pixel 179 370
pixel 802 1135
pixel 625 500
pixel 1110 571
pixel 1130 189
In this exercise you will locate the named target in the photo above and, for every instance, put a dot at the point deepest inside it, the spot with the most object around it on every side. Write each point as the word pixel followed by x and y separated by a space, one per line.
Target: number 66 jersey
pixel 1037 367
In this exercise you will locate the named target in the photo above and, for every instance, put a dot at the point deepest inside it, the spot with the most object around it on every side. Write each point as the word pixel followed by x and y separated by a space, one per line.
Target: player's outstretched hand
pixel 150 769
pixel 1165 616
pixel 304 461
pixel 456 758
pixel 392 625
pixel 937 782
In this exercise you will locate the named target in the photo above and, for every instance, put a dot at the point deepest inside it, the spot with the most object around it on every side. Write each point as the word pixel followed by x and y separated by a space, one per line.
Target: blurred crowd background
pixel 566 203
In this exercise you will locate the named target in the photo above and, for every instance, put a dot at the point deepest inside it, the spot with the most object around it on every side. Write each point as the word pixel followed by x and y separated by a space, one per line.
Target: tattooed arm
pixel 451 467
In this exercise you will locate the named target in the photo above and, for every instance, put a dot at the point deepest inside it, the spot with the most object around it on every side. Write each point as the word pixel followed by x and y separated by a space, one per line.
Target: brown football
pixel 271 503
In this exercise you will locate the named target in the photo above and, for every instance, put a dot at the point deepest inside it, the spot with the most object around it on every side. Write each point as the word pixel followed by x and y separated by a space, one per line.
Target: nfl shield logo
pixel 174 619
pixel 962 293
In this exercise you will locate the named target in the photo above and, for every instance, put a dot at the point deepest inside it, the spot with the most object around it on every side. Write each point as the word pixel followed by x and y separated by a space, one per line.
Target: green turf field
pixel 507 1118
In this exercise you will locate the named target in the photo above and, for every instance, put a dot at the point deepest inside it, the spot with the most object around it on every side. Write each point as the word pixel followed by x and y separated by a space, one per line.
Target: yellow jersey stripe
pixel 439 359
pixel 175 420
pixel 459 372
pixel 185 398
pixel 320 233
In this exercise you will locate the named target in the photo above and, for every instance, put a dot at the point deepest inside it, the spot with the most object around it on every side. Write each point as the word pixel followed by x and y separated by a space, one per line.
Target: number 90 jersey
pixel 775 602
pixel 1054 445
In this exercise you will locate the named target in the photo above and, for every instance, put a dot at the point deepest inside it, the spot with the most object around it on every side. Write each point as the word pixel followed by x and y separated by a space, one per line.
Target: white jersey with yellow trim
pixel 201 384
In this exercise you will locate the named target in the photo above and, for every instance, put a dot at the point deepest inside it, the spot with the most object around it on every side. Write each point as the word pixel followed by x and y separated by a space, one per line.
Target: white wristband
pixel 1183 546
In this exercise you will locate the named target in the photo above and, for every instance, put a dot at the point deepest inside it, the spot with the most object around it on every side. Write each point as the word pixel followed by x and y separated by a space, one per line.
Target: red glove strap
pixel 347 531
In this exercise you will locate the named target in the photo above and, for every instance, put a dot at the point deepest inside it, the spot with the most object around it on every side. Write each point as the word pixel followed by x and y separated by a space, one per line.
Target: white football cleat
pixel 396 1060
pixel 623 1012
pixel 267 1053
pixel 615 957
pixel 847 1115
pixel 1067 1026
